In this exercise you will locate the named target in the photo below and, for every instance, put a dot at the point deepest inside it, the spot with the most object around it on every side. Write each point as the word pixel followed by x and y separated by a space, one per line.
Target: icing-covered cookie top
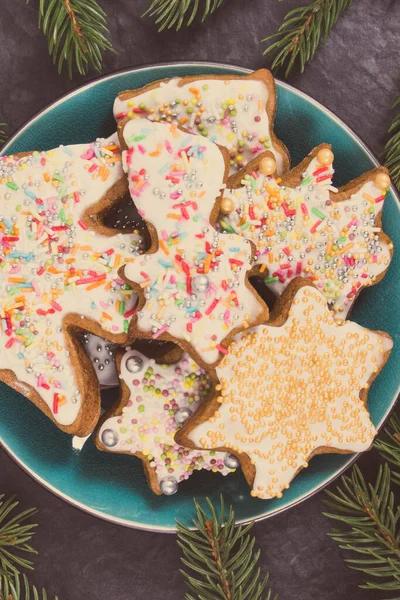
pixel 303 231
pixel 289 391
pixel 235 112
pixel 160 399
pixel 194 284
pixel 52 265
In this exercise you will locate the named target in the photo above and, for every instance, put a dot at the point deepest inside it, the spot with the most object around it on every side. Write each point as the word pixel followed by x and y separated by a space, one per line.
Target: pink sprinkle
pixel 364 275
pixel 77 197
pixel 10 342
pixel 164 235
pixel 168 146
pixel 222 349
pixel 299 268
pixel 114 328
pixel 160 332
pixel 93 168
pixel 141 149
pixel 88 154
pixel 55 305
pixel 83 225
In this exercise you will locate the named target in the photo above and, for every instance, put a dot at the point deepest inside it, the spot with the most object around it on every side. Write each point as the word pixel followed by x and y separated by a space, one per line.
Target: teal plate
pixel 113 487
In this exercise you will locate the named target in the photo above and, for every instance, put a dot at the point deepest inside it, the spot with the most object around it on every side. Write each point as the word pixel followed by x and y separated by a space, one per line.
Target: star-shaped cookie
pixel 303 226
pixel 292 388
pixel 156 400
pixel 193 283
pixel 236 112
pixel 59 275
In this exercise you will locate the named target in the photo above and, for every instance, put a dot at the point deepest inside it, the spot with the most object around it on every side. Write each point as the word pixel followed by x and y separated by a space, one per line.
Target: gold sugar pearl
pixel 325 156
pixel 382 181
pixel 267 166
pixel 227 205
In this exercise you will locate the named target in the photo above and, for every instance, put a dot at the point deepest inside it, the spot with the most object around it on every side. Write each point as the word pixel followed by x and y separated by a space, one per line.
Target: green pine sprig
pixel 12 590
pixel 221 559
pixel 302 31
pixel 76 32
pixel 15 533
pixel 392 148
pixel 173 13
pixel 3 134
pixel 370 518
pixel 389 447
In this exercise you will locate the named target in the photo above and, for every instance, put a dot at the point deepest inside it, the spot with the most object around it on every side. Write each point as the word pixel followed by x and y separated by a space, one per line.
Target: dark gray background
pixel 356 76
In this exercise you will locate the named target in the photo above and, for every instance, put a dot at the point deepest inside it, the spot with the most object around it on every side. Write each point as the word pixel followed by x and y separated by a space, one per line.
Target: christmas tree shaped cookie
pixel 156 400
pixel 236 112
pixel 303 226
pixel 59 275
pixel 292 388
pixel 192 284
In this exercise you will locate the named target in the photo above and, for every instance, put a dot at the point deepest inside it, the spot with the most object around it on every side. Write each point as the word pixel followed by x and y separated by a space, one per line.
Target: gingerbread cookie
pixel 59 275
pixel 237 112
pixel 292 388
pixel 192 284
pixel 303 226
pixel 156 400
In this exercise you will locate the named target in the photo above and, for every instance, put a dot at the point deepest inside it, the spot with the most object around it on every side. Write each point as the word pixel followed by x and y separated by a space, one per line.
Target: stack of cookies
pixel 132 261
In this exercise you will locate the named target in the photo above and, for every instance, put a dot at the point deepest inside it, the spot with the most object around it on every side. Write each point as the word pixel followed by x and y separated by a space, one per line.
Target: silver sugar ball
pixel 231 462
pixel 182 415
pixel 169 486
pixel 134 364
pixel 200 283
pixel 109 438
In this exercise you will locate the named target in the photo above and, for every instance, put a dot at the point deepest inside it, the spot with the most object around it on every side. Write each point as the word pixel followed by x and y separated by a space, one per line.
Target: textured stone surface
pixel 356 76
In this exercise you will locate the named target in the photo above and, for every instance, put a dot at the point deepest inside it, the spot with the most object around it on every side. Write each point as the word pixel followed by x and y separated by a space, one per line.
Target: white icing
pixel 174 180
pixel 247 98
pixel 34 192
pixel 289 390
pixel 289 240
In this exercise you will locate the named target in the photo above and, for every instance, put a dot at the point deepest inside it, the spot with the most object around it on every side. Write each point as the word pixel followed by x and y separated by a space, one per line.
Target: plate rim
pixel 149 67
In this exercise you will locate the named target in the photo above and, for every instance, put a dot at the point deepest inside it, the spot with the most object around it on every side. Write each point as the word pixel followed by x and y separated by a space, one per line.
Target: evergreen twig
pixel 172 13
pixel 392 148
pixel 302 31
pixel 76 33
pixel 221 558
pixel 370 518
pixel 12 590
pixel 389 446
pixel 3 134
pixel 14 537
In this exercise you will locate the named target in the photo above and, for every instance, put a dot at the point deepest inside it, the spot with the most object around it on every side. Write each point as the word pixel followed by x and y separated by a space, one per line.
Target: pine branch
pixel 172 13
pixel 14 537
pixel 12 590
pixel 302 31
pixel 389 446
pixel 370 516
pixel 3 134
pixel 392 148
pixel 76 33
pixel 221 559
